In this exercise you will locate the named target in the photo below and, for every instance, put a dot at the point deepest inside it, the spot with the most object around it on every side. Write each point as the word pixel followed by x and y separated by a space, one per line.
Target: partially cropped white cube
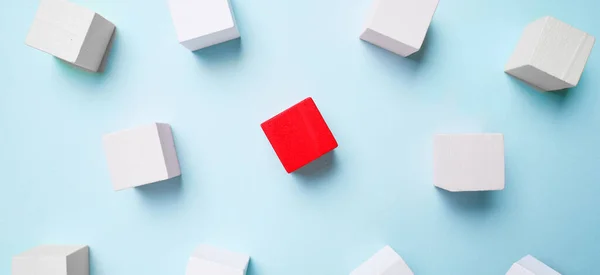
pixel 141 156
pixel 203 23
pixel 399 26
pixel 71 33
pixel 529 265
pixel 469 162
pixel 52 260
pixel 551 55
pixel 385 262
pixel 208 260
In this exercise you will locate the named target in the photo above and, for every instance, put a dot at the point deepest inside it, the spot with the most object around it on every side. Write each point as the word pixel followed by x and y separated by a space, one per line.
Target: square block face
pixel 71 33
pixel 399 26
pixel 202 23
pixel 299 135
pixel 529 265
pixel 59 28
pixel 211 260
pixel 550 55
pixel 469 162
pixel 222 256
pixel 52 260
pixel 198 266
pixel 385 262
pixel 516 269
pixel 52 251
pixel 140 156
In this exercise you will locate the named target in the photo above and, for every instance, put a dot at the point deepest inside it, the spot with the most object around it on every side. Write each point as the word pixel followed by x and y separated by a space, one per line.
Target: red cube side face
pixel 299 135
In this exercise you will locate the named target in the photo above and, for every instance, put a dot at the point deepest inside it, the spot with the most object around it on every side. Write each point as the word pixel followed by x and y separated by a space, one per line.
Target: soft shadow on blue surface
pixel 313 173
pixel 318 175
pixel 93 78
pixel 391 60
pixel 553 100
pixel 224 54
pixel 251 268
pixel 95 264
pixel 469 202
pixel 161 194
pixel 421 55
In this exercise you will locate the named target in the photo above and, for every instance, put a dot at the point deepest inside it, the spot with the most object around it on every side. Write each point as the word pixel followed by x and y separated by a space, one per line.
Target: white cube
pixel 529 265
pixel 215 261
pixel 141 156
pixel 52 260
pixel 203 23
pixel 71 33
pixel 469 162
pixel 385 262
pixel 399 26
pixel 551 55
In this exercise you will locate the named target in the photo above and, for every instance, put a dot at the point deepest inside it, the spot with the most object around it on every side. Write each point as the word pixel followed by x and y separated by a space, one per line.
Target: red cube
pixel 299 135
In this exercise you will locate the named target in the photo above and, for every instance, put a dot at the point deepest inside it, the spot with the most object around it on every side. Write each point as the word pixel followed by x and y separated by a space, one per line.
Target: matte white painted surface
pixel 399 26
pixel 469 162
pixel 141 156
pixel 215 261
pixel 203 23
pixel 385 262
pixel 551 55
pixel 52 260
pixel 529 265
pixel 70 32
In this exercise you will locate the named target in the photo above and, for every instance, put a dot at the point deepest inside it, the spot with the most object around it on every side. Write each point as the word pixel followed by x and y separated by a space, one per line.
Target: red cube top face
pixel 299 135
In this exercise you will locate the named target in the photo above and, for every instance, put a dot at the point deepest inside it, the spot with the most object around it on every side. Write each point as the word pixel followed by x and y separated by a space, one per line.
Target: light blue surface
pixel 375 190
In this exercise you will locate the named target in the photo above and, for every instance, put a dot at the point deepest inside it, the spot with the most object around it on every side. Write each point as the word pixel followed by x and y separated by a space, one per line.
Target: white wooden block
pixel 469 162
pixel 399 26
pixel 203 23
pixel 141 156
pixel 208 260
pixel 385 262
pixel 551 55
pixel 52 260
pixel 529 265
pixel 71 33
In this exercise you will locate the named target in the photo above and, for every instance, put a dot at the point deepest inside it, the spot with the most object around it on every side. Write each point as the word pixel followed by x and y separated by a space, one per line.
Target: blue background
pixel 376 188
